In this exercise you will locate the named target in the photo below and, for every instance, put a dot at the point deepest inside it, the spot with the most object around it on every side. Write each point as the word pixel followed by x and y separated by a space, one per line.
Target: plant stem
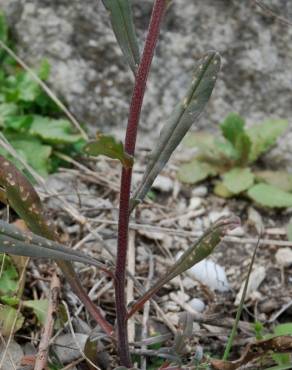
pixel 126 179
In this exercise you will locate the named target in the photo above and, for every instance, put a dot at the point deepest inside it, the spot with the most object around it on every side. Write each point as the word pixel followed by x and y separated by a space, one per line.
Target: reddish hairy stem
pixel 126 179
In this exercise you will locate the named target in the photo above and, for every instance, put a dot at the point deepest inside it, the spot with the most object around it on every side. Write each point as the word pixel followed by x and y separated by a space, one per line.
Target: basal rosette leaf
pixel 238 180
pixel 196 171
pixel 270 196
pixel 264 136
pixel 232 126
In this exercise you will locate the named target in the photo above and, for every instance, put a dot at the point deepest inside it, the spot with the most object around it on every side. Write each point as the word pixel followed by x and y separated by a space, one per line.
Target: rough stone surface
pixel 89 71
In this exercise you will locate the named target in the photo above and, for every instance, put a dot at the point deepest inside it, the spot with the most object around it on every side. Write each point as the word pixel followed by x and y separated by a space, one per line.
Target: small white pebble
pixel 197 304
pixel 195 203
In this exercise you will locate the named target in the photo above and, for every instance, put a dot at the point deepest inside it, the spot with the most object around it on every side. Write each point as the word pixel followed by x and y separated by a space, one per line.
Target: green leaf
pixel 279 179
pixel 26 87
pixel 280 367
pixel 6 110
pixel 10 301
pixel 3 28
pixel 270 196
pixel 283 329
pixel 238 180
pixel 9 276
pixel 196 171
pixel 221 190
pixel 32 151
pixel 201 140
pixel 39 307
pixel 182 118
pixel 53 131
pixel 9 316
pixel 44 70
pixel 264 136
pixel 232 126
pixel 243 148
pixel 18 123
pixel 110 147
pixel 123 26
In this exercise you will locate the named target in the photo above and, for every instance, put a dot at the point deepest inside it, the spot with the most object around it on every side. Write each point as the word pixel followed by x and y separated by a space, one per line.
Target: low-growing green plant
pixel 29 119
pixel 283 360
pixel 232 158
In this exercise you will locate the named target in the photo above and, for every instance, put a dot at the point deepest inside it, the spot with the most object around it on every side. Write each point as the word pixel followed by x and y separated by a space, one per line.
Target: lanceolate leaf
pixel 123 26
pixel 110 147
pixel 183 116
pixel 196 253
pixel 25 201
pixel 16 242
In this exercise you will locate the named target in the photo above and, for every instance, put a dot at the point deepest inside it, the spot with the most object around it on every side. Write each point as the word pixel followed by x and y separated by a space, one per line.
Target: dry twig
pixel 42 356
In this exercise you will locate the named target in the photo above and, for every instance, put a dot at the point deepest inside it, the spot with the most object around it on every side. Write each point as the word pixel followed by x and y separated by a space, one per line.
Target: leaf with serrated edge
pixel 123 26
pixel 107 145
pixel 181 120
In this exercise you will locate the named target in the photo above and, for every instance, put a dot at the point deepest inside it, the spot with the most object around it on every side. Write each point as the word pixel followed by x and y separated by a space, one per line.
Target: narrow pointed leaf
pixel 24 200
pixel 182 118
pixel 110 147
pixel 123 26
pixel 196 253
pixel 20 243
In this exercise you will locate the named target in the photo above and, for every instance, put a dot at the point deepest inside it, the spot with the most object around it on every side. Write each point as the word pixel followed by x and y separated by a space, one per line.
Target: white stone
pixel 197 304
pixel 163 183
pixel 195 203
pixel 215 215
pixel 256 278
pixel 284 257
pixel 200 191
pixel 238 231
pixel 209 273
